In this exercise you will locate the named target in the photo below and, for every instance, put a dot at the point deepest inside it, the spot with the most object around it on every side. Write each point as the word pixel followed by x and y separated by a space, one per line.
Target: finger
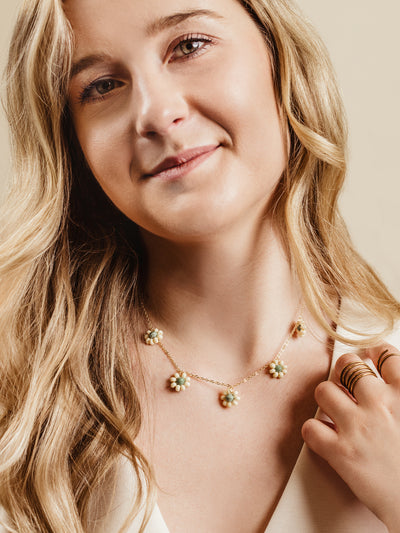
pixel 361 380
pixel 386 358
pixel 320 437
pixel 338 406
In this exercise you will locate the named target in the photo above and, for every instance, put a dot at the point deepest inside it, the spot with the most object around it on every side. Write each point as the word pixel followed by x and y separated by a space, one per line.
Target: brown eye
pixel 191 46
pixel 105 86
pixel 188 47
pixel 97 90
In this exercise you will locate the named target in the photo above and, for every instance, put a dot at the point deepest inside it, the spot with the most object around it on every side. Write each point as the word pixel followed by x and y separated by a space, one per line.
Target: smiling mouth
pixel 179 165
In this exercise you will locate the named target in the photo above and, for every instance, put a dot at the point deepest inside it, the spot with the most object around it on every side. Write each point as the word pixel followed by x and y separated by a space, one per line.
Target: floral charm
pixel 229 398
pixel 152 336
pixel 300 328
pixel 179 381
pixel 277 368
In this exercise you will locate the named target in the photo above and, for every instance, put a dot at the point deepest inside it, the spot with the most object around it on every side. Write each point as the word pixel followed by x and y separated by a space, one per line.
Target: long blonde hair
pixel 70 282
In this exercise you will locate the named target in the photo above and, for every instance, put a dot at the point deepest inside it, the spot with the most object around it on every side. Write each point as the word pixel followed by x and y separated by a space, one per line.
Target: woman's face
pixel 157 79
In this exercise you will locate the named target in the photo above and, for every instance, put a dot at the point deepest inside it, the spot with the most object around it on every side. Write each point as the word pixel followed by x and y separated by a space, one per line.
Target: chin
pixel 200 225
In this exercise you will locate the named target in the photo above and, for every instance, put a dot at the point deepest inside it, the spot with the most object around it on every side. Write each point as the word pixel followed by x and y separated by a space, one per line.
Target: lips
pixel 180 159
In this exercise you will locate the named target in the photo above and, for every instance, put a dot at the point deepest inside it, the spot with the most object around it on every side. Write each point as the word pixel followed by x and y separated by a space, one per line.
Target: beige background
pixel 364 43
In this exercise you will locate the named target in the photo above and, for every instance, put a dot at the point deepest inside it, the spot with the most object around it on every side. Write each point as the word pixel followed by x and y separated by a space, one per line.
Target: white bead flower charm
pixel 277 369
pixel 152 336
pixel 179 381
pixel 229 398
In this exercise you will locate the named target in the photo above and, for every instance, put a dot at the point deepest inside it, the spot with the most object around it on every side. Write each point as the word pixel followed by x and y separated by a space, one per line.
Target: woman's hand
pixel 363 445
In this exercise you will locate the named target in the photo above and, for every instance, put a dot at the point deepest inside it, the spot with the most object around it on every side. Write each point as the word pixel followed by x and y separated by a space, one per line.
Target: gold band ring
pixel 346 369
pixel 382 358
pixel 352 373
pixel 356 376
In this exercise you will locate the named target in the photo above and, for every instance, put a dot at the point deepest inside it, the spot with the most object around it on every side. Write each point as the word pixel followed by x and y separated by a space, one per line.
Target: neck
pixel 230 298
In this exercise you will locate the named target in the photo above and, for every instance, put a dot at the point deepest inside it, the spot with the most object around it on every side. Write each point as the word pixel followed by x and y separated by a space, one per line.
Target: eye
pixel 98 89
pixel 191 45
pixel 104 86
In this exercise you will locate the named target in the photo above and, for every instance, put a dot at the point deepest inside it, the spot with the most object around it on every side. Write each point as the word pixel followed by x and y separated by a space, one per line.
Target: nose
pixel 160 106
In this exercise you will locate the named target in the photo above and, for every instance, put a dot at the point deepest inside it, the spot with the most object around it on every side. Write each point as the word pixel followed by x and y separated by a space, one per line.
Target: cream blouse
pixel 315 499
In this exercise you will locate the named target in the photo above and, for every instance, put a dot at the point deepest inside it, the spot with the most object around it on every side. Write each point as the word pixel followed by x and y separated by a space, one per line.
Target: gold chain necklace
pixel 180 380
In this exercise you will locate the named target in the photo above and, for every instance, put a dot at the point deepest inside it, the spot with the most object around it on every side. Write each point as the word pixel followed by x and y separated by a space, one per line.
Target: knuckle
pixel 348 452
pixel 388 405
pixel 321 390
pixel 344 360
pixel 307 430
pixel 387 346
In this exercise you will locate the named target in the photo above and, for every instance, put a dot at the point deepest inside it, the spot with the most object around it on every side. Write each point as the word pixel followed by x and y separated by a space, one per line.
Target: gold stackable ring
pixel 382 358
pixel 352 373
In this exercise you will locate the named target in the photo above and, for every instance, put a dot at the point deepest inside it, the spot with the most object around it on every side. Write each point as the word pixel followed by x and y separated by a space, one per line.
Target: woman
pixel 177 169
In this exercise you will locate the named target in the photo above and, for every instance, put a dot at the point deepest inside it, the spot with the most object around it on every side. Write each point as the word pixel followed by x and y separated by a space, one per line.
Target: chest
pixel 225 469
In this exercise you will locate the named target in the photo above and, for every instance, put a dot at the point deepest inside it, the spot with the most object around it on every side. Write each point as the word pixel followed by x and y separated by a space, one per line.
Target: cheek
pixel 105 145
pixel 244 104
pixel 106 142
pixel 267 150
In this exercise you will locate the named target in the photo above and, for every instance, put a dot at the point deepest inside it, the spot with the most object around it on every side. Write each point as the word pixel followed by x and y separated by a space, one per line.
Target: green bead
pixel 180 381
pixel 229 397
pixel 278 368
pixel 153 335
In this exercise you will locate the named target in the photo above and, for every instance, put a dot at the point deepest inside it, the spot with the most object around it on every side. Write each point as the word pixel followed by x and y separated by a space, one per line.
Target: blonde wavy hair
pixel 70 282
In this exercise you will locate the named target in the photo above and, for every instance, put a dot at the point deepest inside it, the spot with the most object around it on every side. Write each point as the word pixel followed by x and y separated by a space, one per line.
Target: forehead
pixel 120 26
pixel 129 34
pixel 95 21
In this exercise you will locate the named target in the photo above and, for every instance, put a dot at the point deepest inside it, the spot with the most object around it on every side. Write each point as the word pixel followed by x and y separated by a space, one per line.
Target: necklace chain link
pixel 221 383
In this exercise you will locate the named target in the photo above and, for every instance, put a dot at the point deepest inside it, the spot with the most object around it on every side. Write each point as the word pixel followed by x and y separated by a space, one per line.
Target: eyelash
pixel 193 38
pixel 85 94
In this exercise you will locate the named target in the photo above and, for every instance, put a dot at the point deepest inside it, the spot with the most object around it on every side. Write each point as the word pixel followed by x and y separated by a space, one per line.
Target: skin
pixel 209 235
pixel 161 106
pixel 212 244
pixel 362 445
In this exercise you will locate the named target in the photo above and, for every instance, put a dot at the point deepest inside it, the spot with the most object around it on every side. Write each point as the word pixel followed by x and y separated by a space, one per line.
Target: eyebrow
pixel 152 29
pixel 87 62
pixel 172 20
